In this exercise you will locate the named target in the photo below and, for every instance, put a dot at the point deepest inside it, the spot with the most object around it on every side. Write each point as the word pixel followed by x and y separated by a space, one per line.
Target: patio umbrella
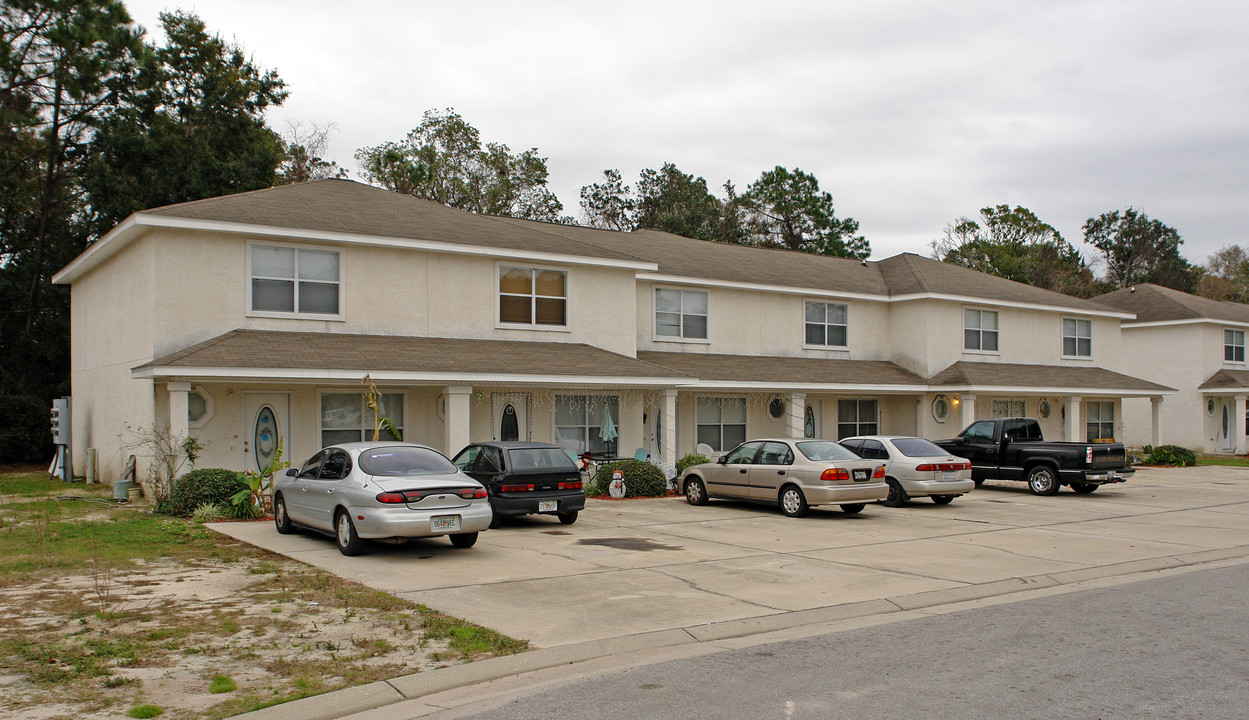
pixel 607 429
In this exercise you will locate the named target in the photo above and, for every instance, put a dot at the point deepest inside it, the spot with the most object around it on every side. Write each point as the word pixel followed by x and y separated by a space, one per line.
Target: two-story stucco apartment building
pixel 1198 345
pixel 245 318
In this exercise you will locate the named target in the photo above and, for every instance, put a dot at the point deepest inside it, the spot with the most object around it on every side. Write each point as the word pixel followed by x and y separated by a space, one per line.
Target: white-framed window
pixel 1233 345
pixel 1008 408
pixel 1077 337
pixel 681 314
pixel 1100 420
pixel 857 416
pixel 533 296
pixel 721 422
pixel 587 423
pixel 199 407
pixel 345 417
pixel 824 324
pixel 289 281
pixel 980 330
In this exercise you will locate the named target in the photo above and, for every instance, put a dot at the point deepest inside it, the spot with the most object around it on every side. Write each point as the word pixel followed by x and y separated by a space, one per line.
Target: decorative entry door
pixel 266 423
pixel 1227 428
pixel 511 416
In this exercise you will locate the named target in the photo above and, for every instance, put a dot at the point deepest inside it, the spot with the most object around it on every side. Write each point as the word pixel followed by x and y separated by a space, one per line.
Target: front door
pixel 1227 430
pixel 511 416
pixel 266 423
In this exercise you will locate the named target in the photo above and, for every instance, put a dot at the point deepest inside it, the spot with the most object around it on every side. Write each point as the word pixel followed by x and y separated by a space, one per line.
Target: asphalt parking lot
pixel 636 566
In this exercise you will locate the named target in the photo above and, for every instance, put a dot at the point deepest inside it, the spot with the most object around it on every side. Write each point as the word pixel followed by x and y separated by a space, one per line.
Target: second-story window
pixel 533 296
pixel 1233 345
pixel 825 324
pixel 295 281
pixel 980 330
pixel 1077 337
pixel 681 313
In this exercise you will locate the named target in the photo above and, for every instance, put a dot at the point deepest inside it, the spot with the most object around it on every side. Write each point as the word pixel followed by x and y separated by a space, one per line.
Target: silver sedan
pixel 793 472
pixel 387 491
pixel 915 467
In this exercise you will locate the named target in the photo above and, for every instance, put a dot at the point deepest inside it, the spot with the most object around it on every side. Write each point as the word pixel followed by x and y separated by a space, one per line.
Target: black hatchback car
pixel 524 478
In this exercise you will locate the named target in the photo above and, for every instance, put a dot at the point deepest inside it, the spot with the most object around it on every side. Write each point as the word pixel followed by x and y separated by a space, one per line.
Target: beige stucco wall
pixel 111 331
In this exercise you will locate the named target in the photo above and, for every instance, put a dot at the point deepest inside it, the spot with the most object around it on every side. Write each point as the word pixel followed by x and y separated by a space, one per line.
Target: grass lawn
pixel 1228 460
pixel 109 610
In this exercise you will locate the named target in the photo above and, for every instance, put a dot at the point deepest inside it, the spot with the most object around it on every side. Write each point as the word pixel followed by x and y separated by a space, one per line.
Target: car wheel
pixel 1042 480
pixel 978 482
pixel 1084 488
pixel 793 502
pixel 464 540
pixel 897 496
pixel 853 509
pixel 943 499
pixel 349 543
pixel 496 521
pixel 280 518
pixel 695 493
pixel 568 518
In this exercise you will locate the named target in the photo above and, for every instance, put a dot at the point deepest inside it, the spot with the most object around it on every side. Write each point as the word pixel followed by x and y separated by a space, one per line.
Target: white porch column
pixel 795 414
pixel 179 425
pixel 456 411
pixel 1238 422
pixel 1073 429
pixel 669 427
pixel 1155 407
pixel 967 405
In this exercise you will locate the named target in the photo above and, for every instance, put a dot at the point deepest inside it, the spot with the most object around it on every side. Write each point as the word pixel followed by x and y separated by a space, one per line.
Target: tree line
pixel 98 121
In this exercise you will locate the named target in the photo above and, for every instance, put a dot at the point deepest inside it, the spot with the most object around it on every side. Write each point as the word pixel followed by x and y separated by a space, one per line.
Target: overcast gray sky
pixel 911 113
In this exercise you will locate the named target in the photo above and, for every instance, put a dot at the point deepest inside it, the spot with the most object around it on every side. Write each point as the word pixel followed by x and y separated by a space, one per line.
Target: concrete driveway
pixel 634 566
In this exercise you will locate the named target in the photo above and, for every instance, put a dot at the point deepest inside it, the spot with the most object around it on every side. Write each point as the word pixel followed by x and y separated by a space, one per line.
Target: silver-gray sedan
pixel 793 472
pixel 388 491
pixel 915 467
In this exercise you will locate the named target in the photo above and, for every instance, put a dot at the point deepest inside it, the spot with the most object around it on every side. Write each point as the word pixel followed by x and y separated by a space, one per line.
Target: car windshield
pixel 822 450
pixel 540 459
pixel 397 461
pixel 917 447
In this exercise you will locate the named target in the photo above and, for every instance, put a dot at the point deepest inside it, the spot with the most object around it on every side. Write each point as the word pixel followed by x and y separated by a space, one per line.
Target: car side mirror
pixel 292 472
pixel 960 440
pixel 722 459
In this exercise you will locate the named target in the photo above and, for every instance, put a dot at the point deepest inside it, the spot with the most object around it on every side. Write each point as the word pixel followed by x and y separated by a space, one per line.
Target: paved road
pixel 1172 647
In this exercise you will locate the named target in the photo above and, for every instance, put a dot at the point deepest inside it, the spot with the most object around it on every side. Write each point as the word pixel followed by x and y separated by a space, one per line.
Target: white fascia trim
pixel 760 287
pixel 1191 321
pixel 272 231
pixel 1231 392
pixel 100 250
pixel 1017 390
pixel 990 302
pixel 393 376
pixel 809 387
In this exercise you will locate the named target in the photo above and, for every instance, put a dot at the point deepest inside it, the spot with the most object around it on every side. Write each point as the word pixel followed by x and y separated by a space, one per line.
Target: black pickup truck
pixel 1013 449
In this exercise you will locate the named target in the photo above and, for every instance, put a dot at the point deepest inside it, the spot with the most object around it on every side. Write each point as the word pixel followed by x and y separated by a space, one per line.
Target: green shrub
pixel 145 711
pixel 689 460
pixel 1170 455
pixel 201 487
pixel 245 510
pixel 208 512
pixel 641 478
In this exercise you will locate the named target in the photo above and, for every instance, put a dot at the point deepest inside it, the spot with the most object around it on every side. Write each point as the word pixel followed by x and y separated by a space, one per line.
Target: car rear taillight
pixel 835 474
pixel 570 485
pixel 392 498
pixel 516 488
pixel 943 467
pixel 473 493
pixel 880 471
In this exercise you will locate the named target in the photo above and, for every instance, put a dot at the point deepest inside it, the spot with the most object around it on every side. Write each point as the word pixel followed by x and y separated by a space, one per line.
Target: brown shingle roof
pixel 347 206
pixel 758 370
pixel 311 351
pixel 1154 303
pixel 1227 380
pixel 1054 377
pixel 909 273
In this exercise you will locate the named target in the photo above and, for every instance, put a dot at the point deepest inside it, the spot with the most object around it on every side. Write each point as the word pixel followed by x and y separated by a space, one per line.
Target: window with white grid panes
pixel 1077 337
pixel 825 324
pixel 579 423
pixel 980 330
pixel 681 314
pixel 1100 420
pixel 721 422
pixel 533 296
pixel 346 417
pixel 294 281
pixel 857 417
pixel 1233 345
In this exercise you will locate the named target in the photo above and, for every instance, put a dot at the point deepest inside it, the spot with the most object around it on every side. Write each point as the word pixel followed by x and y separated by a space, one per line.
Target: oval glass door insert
pixel 265 438
pixel 509 428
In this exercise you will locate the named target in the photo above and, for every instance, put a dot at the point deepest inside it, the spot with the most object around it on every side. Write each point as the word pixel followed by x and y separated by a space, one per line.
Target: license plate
pixel 446 522
pixel 951 475
pixel 860 475
pixel 548 505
